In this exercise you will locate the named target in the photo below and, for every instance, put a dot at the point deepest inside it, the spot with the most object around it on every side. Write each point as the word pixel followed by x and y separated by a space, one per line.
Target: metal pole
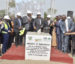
pixel 7 7
pixel 51 7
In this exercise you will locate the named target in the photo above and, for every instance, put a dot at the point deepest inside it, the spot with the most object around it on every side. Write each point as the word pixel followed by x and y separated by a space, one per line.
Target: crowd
pixel 14 29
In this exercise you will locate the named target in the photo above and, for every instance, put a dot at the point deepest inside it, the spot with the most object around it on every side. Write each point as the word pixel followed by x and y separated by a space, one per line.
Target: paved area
pixel 27 62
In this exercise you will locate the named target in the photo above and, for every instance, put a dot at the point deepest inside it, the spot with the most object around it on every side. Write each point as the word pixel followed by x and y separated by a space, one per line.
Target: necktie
pixel 19 22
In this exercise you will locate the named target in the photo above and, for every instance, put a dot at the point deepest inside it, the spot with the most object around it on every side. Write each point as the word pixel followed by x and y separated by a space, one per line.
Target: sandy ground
pixel 28 62
pixel 74 60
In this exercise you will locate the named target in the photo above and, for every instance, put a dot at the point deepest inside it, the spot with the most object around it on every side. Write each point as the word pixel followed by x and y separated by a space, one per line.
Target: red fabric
pixel 19 53
pixel 58 56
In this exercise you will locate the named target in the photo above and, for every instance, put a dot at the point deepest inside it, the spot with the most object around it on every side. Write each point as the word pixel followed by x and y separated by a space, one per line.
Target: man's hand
pixel 20 28
pixel 9 31
pixel 69 31
pixel 41 26
pixel 1 22
pixel 34 28
pixel 12 30
pixel 29 19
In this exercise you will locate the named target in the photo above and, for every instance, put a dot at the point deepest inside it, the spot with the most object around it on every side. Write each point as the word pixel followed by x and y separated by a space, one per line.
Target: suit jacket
pixel 26 23
pixel 36 23
pixel 45 23
pixel 31 25
pixel 57 25
pixel 70 26
pixel 47 27
pixel 17 25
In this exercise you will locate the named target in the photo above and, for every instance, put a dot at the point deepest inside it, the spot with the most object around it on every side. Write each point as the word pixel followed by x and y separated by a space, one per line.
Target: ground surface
pixel 30 62
pixel 27 62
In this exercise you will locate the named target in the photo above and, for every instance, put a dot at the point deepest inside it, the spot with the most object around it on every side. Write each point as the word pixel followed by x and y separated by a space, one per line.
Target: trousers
pixel 5 42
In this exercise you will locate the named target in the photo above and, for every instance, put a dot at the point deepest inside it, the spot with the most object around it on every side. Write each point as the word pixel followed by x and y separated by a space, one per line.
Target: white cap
pixel 18 14
pixel 29 12
pixel 7 17
pixel 33 16
pixel 48 16
pixel 39 13
pixel 68 17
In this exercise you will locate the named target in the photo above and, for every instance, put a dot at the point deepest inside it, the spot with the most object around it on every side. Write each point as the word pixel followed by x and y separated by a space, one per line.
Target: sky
pixel 18 1
pixel 21 0
pixel 62 6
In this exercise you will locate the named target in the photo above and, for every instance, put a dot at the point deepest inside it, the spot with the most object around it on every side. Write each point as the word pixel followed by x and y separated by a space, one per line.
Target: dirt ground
pixel 31 62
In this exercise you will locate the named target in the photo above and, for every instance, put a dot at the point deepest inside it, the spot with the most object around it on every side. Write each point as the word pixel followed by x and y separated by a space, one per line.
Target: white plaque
pixel 38 46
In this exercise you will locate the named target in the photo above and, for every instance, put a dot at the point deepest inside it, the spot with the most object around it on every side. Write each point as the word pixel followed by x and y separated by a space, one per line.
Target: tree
pixel 45 15
pixel 2 13
pixel 12 3
pixel 52 10
pixel 11 7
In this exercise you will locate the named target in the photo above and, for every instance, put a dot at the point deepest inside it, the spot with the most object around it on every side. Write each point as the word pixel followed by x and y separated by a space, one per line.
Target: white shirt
pixel 48 22
pixel 40 21
pixel 66 23
pixel 19 22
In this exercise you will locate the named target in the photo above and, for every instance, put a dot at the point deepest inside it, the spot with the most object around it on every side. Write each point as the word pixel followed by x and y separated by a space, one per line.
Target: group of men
pixel 64 25
pixel 19 26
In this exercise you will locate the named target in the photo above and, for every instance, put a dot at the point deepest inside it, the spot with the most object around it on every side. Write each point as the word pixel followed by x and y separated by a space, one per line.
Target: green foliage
pixel 12 3
pixel 45 15
pixel 2 13
pixel 55 11
pixel 74 19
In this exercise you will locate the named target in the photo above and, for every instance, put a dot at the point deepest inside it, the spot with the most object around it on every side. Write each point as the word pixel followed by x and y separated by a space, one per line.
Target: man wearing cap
pixel 38 22
pixel 31 25
pixel 47 25
pixel 10 34
pixel 27 20
pixel 5 33
pixel 18 22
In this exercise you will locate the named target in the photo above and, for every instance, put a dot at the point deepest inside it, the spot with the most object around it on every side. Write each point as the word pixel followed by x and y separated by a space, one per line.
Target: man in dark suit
pixel 58 33
pixel 31 24
pixel 47 25
pixel 27 22
pixel 17 27
pixel 38 22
